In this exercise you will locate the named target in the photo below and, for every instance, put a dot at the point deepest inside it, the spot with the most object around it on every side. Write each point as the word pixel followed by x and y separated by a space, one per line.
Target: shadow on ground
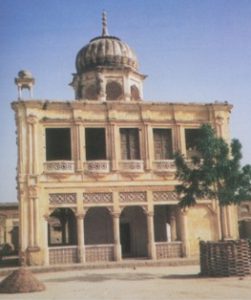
pixel 121 277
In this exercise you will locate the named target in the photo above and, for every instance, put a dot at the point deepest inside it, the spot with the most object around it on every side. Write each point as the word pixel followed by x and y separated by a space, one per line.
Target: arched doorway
pixel 165 226
pixel 133 232
pixel 98 226
pixel 62 228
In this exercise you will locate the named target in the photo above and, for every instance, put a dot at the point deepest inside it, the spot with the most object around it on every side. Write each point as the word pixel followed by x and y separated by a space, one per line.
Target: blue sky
pixel 191 50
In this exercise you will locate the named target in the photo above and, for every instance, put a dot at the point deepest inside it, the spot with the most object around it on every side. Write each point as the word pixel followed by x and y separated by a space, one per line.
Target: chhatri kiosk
pixel 96 175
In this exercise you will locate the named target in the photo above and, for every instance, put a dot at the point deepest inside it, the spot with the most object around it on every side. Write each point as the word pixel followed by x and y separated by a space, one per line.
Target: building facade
pixel 9 223
pixel 96 175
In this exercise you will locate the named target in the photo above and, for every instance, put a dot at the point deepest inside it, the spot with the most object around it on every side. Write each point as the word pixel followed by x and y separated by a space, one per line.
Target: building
pixel 9 222
pixel 96 178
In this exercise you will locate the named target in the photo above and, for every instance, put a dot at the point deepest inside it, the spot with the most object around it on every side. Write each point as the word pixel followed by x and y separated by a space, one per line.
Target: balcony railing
pixel 97 166
pixel 59 166
pixel 164 165
pixel 133 166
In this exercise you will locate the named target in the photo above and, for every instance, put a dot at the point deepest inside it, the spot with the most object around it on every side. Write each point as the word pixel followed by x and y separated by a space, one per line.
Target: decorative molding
pixel 98 166
pixel 164 165
pixel 63 166
pixel 31 119
pixel 164 188
pixel 32 190
pixel 97 197
pixel 165 196
pixel 131 166
pixel 80 216
pixel 60 198
pixel 144 208
pixel 132 197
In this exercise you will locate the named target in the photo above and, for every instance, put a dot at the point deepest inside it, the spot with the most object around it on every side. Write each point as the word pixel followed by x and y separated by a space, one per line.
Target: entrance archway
pixel 133 232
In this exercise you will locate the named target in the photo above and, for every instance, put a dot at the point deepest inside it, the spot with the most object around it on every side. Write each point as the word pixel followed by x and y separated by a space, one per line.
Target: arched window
pixel 135 93
pixel 113 91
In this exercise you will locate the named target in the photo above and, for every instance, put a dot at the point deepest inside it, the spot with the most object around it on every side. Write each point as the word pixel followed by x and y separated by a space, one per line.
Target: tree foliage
pixel 214 172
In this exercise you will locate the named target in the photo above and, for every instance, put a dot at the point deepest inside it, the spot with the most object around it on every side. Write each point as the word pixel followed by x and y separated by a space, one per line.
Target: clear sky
pixel 191 50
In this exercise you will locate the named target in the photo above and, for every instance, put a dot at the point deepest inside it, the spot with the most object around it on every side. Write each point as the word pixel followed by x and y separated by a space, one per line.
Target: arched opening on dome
pixel 135 93
pixel 114 91
pixel 62 227
pixel 91 92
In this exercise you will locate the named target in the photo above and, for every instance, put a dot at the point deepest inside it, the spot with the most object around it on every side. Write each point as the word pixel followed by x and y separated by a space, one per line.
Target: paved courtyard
pixel 153 283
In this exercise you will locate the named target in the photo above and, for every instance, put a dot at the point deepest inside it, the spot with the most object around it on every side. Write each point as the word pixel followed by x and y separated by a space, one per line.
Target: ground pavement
pixel 137 283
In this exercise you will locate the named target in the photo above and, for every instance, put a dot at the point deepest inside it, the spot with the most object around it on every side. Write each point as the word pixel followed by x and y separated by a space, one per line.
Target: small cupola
pixel 107 70
pixel 24 80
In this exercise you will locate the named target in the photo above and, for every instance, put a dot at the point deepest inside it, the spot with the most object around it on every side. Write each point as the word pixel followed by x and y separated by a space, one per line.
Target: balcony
pixel 167 165
pixel 59 166
pixel 97 166
pixel 131 166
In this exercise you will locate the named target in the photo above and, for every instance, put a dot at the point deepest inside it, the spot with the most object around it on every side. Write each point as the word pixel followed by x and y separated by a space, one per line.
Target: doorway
pixel 125 239
pixel 133 232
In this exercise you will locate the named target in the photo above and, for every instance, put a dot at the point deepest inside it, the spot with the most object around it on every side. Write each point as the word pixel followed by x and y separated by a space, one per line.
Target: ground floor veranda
pixel 101 235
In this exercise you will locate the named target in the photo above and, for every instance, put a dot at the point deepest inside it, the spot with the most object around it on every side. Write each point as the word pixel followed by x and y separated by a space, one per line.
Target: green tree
pixel 214 172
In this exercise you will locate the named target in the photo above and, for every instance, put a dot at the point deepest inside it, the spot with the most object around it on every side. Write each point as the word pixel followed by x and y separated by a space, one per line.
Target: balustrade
pixel 97 166
pixel 164 165
pixel 134 166
pixel 59 166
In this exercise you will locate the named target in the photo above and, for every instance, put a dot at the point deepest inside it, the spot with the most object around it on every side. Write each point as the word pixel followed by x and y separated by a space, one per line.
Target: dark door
pixel 125 239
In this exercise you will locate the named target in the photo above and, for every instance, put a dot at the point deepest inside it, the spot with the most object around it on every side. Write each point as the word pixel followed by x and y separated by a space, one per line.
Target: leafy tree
pixel 214 172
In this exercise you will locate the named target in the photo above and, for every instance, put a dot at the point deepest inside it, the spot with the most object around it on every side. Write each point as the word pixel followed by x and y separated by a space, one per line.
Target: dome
pixel 105 50
pixel 25 74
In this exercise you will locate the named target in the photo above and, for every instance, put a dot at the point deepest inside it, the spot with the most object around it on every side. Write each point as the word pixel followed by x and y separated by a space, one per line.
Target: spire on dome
pixel 104 24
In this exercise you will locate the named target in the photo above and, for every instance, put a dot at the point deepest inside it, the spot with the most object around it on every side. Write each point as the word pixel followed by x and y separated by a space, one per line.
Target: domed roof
pixel 105 50
pixel 24 74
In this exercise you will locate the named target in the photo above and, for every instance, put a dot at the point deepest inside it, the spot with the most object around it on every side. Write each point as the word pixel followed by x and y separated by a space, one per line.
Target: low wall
pixel 168 250
pixel 98 253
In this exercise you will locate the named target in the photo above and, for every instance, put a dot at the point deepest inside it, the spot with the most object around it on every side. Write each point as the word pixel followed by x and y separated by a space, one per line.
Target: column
pixel 178 139
pixel 116 236
pixel 79 147
pixel 150 234
pixel 35 215
pixel 147 146
pixel 115 140
pixel 184 233
pixel 81 242
pixel 31 223
pixel 46 241
pixel 32 141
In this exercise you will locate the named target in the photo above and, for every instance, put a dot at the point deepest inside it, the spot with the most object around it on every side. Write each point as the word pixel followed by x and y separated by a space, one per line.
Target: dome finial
pixel 104 24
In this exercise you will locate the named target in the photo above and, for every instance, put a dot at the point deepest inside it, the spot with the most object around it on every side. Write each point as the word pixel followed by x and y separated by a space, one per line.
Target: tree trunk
pixel 222 223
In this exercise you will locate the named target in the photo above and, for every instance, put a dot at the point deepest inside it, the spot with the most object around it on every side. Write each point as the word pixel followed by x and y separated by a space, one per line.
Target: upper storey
pixel 107 69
